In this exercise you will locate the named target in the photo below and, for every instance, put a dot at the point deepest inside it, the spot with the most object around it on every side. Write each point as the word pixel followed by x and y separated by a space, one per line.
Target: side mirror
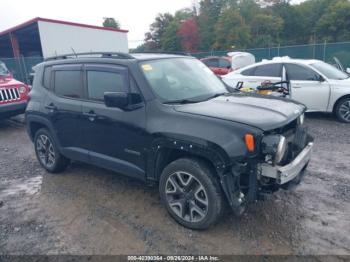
pixel 348 70
pixel 116 99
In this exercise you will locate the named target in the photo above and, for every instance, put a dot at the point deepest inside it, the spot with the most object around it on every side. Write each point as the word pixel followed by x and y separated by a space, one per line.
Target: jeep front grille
pixel 9 95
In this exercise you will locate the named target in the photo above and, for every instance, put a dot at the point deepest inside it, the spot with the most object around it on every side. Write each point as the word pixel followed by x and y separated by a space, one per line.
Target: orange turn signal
pixel 249 142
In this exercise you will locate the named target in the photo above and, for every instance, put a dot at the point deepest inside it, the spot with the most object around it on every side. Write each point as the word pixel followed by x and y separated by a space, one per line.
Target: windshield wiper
pixel 216 95
pixel 191 101
pixel 182 101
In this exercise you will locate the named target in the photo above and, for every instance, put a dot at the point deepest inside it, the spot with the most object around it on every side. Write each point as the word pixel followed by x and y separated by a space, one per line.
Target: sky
pixel 133 15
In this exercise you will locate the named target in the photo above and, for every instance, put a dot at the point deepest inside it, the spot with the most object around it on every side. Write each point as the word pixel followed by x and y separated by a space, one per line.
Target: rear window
pixel 68 84
pixel 272 70
pixel 249 71
pixel 47 77
pixel 100 82
pixel 213 62
pixel 223 63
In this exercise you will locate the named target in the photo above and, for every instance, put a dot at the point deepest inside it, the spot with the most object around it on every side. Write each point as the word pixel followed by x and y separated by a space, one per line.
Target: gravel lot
pixel 88 210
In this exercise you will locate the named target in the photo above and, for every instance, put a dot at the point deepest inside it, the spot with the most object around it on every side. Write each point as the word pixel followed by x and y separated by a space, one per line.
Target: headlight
pixel 275 146
pixel 22 89
pixel 301 119
pixel 281 149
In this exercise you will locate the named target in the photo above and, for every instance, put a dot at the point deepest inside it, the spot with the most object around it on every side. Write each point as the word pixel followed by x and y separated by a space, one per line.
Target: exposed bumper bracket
pixel 285 174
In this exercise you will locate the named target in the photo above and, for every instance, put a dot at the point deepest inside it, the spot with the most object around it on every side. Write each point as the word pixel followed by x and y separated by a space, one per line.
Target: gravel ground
pixel 88 210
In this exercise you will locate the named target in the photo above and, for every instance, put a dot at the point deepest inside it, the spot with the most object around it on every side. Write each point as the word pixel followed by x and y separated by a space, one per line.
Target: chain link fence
pixel 325 51
pixel 21 68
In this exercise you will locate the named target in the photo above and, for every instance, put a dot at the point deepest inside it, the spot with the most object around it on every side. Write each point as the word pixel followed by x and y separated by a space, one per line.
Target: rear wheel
pixel 47 152
pixel 191 193
pixel 342 110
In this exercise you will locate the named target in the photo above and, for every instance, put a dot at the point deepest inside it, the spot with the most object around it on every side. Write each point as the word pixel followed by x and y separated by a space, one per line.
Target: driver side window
pixel 301 73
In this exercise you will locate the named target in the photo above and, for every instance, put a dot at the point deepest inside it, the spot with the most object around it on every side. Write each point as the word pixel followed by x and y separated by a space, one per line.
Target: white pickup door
pixel 308 87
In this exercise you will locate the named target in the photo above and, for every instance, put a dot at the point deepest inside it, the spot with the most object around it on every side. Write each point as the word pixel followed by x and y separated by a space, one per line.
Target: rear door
pixel 307 88
pixel 63 106
pixel 255 76
pixel 114 137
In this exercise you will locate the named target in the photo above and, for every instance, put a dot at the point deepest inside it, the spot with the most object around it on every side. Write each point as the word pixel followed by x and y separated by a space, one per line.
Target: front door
pixel 308 87
pixel 115 137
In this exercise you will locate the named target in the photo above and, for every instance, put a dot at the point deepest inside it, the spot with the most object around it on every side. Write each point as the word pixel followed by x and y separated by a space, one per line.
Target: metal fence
pixel 22 67
pixel 325 51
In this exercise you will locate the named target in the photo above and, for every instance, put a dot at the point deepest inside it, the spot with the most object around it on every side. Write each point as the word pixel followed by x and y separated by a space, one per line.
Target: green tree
pixel 170 40
pixel 308 14
pixel 334 25
pixel 248 9
pixel 184 14
pixel 111 22
pixel 209 13
pixel 231 30
pixel 265 30
pixel 158 28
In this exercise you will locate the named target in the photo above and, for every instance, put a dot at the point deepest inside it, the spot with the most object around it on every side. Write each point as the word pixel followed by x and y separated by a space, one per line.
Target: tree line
pixel 241 24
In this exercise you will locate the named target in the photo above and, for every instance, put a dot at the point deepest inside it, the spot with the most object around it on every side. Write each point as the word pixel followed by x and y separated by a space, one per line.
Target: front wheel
pixel 342 110
pixel 191 193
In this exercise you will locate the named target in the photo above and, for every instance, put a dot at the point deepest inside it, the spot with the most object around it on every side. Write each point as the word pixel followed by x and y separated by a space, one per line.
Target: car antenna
pixel 74 52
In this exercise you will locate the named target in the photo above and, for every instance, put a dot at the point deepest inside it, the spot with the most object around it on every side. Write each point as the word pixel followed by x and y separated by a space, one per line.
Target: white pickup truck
pixel 318 85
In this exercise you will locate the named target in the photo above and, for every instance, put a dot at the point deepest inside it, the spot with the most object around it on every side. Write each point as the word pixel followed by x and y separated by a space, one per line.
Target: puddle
pixel 30 186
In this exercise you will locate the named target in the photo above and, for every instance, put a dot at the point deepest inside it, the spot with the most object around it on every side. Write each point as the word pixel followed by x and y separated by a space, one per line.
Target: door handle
pixel 296 86
pixel 90 115
pixel 51 107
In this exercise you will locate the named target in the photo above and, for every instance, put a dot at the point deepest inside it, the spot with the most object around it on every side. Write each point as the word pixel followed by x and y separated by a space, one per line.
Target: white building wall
pixel 59 39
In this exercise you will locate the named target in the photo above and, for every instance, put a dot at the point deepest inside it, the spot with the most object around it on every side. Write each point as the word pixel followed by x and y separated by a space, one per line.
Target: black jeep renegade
pixel 167 119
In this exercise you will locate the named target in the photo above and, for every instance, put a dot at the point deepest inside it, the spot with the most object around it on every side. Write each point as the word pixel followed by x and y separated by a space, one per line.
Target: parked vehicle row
pixel 167 119
pixel 13 94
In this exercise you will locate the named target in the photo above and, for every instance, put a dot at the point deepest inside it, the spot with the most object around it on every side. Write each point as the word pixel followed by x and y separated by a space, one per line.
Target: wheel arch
pixel 34 123
pixel 165 151
pixel 338 100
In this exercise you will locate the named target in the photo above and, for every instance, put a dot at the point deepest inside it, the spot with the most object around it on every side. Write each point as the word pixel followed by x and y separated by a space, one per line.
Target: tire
pixel 342 110
pixel 47 152
pixel 191 193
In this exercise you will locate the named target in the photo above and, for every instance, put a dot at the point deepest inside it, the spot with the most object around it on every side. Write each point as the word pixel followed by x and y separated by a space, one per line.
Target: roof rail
pixel 103 55
pixel 163 52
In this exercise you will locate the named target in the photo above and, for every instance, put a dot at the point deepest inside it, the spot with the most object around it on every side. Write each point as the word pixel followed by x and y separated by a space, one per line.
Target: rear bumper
pixel 12 109
pixel 287 173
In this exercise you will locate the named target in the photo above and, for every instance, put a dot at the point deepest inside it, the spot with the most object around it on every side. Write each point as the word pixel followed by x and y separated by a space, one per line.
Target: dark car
pixel 167 120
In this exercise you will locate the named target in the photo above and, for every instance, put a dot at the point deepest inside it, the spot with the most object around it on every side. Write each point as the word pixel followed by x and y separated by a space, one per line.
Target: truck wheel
pixel 47 153
pixel 191 193
pixel 342 110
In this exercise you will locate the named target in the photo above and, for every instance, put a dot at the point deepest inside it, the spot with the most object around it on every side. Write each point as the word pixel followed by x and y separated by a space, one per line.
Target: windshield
pixel 182 79
pixel 3 69
pixel 330 71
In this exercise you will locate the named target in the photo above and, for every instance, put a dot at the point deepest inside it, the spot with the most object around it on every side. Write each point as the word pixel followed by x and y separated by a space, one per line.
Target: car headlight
pixel 275 146
pixel 22 89
pixel 281 149
pixel 301 119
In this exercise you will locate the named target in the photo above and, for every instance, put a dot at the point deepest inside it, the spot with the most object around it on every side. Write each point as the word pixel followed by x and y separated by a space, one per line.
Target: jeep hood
pixel 9 82
pixel 263 112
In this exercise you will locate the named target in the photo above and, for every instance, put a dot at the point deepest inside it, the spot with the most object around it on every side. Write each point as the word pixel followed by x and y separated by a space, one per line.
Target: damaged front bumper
pixel 287 173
